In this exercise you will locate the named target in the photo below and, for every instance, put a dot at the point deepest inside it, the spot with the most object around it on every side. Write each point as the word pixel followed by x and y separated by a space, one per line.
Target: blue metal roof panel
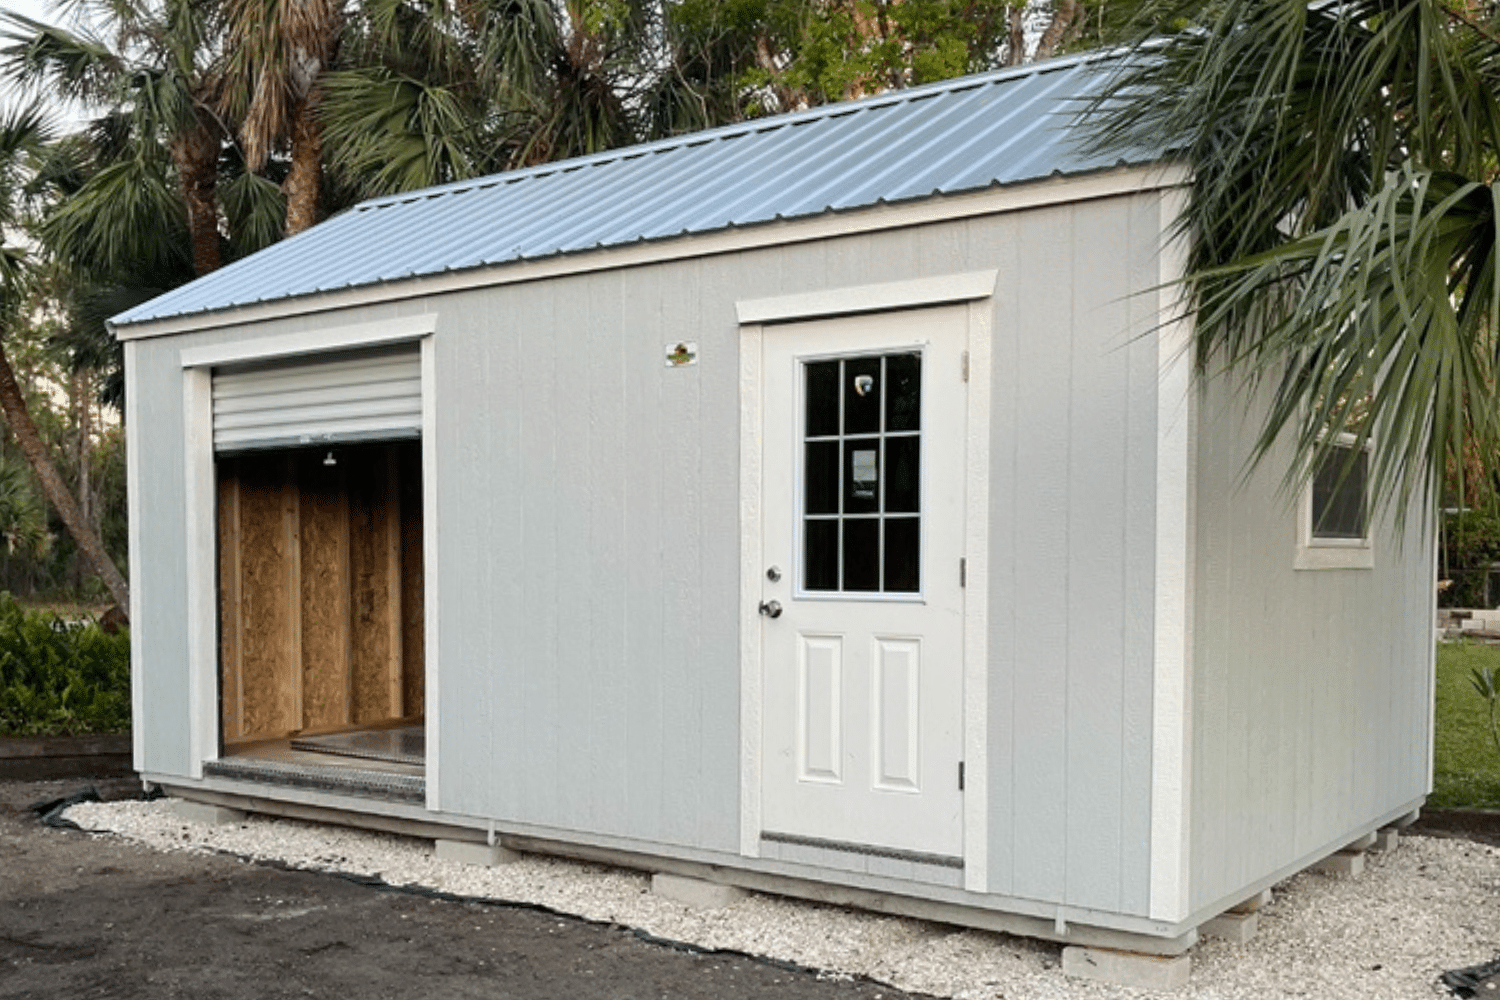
pixel 1001 128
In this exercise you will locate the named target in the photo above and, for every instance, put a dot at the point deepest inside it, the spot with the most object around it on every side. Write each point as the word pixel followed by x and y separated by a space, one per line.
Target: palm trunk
pixel 304 182
pixel 13 404
pixel 195 153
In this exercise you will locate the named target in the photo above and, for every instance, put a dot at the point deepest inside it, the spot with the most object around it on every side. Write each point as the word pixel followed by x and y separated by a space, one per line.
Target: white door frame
pixel 202 514
pixel 976 289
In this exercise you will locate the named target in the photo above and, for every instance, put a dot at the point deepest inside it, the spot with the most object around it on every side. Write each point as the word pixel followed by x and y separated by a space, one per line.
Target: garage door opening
pixel 322 666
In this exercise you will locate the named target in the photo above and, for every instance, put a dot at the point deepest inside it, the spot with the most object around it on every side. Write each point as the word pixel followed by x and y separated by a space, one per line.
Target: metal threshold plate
pixel 344 780
pixel 402 745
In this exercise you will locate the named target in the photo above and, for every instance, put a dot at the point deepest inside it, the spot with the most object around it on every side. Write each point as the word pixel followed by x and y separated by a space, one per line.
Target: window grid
pixel 881 516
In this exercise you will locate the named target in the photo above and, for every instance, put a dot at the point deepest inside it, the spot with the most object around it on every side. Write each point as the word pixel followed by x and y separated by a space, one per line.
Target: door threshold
pixel 281 762
pixel 871 850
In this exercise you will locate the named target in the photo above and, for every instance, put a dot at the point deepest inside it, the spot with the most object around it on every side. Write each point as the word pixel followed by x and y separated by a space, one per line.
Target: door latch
pixel 771 609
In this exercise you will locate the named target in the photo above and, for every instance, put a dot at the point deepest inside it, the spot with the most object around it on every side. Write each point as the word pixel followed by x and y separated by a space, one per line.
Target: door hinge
pixel 963 572
pixel 960 776
pixel 964 365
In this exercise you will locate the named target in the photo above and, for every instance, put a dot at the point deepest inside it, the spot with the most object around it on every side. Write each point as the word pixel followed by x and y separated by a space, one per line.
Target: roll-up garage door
pixel 351 396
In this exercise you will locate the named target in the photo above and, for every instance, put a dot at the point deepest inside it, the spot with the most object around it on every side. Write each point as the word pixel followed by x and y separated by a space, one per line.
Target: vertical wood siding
pixel 1072 552
pixel 588 539
pixel 159 568
pixel 1311 688
pixel 314 570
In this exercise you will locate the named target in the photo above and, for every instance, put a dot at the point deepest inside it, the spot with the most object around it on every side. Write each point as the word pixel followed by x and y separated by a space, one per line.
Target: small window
pixel 1334 532
pixel 1338 495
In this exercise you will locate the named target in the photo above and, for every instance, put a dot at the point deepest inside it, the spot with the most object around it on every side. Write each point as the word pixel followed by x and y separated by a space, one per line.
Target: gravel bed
pixel 1432 904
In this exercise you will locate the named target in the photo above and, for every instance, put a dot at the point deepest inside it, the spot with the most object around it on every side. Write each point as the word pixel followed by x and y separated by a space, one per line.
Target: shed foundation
pixel 1125 968
pixel 467 852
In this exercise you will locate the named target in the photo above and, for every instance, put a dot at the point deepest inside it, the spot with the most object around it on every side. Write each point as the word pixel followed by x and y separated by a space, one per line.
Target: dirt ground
pixel 84 916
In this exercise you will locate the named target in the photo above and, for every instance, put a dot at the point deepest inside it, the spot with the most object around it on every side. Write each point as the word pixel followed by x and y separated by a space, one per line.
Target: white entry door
pixel 862 602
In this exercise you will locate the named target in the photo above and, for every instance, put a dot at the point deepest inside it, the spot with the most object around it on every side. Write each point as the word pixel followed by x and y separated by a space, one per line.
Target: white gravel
pixel 1428 906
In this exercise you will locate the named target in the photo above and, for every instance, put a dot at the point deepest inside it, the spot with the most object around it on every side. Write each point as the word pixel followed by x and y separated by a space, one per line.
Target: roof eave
pixel 1123 179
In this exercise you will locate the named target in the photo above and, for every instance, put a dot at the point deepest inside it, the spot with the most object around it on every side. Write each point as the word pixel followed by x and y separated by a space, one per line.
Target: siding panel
pixel 1310 719
pixel 1043 451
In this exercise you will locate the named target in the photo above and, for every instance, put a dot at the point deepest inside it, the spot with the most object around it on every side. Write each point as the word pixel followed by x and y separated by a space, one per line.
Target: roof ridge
pixel 902 95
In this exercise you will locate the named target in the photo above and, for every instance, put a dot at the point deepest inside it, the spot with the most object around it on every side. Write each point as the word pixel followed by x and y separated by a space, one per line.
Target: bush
pixel 1470 546
pixel 60 677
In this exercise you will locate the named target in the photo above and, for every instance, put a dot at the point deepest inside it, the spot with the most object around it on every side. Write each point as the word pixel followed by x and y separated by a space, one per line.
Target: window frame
pixel 1320 553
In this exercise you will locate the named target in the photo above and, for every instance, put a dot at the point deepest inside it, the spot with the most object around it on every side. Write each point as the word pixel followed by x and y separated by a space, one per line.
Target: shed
pixel 823 505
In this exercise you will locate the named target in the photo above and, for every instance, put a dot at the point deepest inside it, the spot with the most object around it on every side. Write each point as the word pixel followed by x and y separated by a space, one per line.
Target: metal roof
pixel 969 134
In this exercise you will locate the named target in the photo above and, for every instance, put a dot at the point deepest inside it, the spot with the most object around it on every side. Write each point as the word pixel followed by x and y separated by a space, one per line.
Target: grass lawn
pixel 1466 765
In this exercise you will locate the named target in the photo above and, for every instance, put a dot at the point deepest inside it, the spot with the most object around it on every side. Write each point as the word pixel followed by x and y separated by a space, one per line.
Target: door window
pixel 861 474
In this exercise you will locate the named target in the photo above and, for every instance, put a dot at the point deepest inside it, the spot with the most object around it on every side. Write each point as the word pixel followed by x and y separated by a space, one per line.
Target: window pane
pixel 1338 503
pixel 903 555
pixel 903 482
pixel 903 392
pixel 862 554
pixel 862 476
pixel 862 392
pixel 822 398
pixel 821 555
pixel 821 487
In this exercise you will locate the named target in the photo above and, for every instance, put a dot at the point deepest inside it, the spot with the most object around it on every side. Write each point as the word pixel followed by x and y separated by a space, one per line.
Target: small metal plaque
pixel 682 354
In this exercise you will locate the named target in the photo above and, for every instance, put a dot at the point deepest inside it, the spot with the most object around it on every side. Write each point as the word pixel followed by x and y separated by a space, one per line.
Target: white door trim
pixel 201 517
pixel 941 289
pixel 976 622
pixel 750 589
pixel 317 341
pixel 976 607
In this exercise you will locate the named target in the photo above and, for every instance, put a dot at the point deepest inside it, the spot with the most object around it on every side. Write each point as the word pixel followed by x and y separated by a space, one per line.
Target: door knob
pixel 771 609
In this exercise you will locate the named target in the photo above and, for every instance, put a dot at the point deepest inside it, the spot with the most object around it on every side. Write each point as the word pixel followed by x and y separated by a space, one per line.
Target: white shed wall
pixel 1072 552
pixel 158 560
pixel 1312 689
pixel 587 540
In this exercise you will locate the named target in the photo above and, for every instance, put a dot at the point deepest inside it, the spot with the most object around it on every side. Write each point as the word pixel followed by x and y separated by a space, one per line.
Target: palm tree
pixel 464 88
pixel 22 132
pixel 1341 215
pixel 280 51
pixel 157 67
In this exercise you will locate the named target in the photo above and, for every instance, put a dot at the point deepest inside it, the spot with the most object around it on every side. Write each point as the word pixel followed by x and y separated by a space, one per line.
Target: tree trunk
pixel 304 182
pixel 82 390
pixel 1065 14
pixel 1015 47
pixel 13 404
pixel 195 153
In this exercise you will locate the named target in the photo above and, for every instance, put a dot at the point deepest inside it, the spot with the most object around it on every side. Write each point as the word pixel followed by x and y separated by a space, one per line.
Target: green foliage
pixel 1466 767
pixel 1483 679
pixel 1470 544
pixel 60 677
pixel 1342 216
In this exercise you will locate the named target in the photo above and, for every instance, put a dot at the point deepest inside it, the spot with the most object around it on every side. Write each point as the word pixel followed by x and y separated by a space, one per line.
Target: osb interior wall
pixel 320 586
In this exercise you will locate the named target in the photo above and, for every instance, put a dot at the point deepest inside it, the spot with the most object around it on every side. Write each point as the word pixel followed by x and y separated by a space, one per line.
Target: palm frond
pixel 1340 215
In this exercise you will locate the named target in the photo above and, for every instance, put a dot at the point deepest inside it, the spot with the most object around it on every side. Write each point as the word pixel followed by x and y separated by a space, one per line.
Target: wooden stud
pixel 413 628
pixel 231 648
pixel 392 532
pixel 370 574
pixel 265 656
pixel 291 519
pixel 324 514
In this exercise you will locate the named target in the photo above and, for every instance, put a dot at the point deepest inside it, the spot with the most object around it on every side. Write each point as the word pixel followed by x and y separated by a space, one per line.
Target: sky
pixel 37 10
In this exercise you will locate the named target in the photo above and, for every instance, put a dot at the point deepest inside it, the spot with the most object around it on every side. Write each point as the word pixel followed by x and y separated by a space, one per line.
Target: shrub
pixel 1470 546
pixel 60 677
